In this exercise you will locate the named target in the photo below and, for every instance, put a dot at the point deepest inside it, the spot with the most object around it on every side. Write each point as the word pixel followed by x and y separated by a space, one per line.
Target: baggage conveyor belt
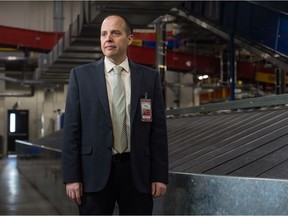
pixel 231 148
pixel 245 144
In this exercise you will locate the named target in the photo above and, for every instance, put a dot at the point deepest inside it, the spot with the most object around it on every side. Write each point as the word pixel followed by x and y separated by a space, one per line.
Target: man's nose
pixel 109 37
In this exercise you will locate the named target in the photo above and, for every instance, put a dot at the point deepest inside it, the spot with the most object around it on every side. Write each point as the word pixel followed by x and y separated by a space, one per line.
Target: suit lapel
pixel 136 75
pixel 100 83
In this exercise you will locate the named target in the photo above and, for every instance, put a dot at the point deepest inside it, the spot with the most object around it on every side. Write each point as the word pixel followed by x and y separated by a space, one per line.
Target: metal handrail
pixel 74 30
pixel 265 101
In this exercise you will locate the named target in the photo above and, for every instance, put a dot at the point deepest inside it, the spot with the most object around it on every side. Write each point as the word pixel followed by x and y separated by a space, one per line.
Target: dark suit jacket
pixel 88 135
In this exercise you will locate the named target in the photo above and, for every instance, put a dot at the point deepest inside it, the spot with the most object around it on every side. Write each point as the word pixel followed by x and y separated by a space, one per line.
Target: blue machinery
pixel 259 183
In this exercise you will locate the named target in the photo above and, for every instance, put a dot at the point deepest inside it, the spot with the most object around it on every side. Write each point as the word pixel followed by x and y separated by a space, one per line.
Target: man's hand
pixel 158 189
pixel 74 192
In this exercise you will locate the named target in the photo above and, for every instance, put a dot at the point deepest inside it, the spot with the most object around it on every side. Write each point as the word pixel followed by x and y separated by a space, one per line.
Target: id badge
pixel 146 110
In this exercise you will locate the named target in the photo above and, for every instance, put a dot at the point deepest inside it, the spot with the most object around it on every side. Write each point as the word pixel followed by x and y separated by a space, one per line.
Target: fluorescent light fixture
pixel 11 58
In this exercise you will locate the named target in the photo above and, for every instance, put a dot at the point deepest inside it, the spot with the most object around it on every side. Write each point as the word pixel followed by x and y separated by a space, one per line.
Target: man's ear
pixel 130 39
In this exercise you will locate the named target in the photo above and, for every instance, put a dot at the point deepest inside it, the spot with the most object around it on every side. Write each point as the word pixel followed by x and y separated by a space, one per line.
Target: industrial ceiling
pixel 84 46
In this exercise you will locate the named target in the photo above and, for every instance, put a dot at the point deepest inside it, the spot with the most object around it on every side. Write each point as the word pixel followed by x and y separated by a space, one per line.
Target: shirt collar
pixel 109 65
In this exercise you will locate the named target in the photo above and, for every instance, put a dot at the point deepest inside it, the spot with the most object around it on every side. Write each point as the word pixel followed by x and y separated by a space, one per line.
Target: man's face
pixel 114 40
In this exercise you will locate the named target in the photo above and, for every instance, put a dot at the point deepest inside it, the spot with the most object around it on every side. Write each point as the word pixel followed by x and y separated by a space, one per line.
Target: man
pixel 96 173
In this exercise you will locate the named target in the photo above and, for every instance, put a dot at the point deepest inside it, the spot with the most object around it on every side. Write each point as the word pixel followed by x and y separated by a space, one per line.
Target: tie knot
pixel 118 69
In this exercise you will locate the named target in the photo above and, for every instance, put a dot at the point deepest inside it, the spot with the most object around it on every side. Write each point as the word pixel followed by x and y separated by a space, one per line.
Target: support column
pixel 3 127
pixel 58 16
pixel 232 67
pixel 161 66
pixel 224 73
pixel 280 81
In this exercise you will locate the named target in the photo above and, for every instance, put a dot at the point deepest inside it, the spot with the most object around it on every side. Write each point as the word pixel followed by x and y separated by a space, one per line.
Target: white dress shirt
pixel 126 78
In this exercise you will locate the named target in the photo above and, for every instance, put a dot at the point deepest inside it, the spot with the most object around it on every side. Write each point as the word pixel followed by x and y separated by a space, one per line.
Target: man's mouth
pixel 110 47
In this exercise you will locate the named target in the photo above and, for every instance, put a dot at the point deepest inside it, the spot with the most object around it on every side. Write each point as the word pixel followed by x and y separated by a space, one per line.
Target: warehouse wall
pixel 37 15
pixel 43 105
pixel 42 108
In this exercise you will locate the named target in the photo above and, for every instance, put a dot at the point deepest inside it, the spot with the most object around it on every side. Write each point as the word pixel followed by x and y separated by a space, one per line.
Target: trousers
pixel 119 189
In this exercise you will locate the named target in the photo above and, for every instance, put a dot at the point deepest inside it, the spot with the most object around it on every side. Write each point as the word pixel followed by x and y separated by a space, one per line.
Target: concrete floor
pixel 17 196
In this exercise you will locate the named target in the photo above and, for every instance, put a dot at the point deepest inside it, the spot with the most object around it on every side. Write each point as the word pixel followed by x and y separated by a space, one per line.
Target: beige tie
pixel 119 111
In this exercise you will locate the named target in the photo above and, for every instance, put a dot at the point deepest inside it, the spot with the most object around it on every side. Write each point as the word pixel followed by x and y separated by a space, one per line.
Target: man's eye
pixel 116 33
pixel 103 34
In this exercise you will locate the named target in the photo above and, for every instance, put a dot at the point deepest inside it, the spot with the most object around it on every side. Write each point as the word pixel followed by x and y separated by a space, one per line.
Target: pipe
pixel 31 83
pixel 16 94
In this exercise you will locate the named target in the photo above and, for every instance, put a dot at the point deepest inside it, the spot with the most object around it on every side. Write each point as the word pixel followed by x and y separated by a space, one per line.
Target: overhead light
pixel 264 55
pixel 203 77
pixel 11 58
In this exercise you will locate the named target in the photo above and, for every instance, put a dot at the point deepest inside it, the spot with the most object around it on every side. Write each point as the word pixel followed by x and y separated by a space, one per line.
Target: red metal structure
pixel 28 39
pixel 25 39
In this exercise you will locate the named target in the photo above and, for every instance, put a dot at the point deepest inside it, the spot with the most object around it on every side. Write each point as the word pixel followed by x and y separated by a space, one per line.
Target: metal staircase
pixel 210 23
pixel 81 43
